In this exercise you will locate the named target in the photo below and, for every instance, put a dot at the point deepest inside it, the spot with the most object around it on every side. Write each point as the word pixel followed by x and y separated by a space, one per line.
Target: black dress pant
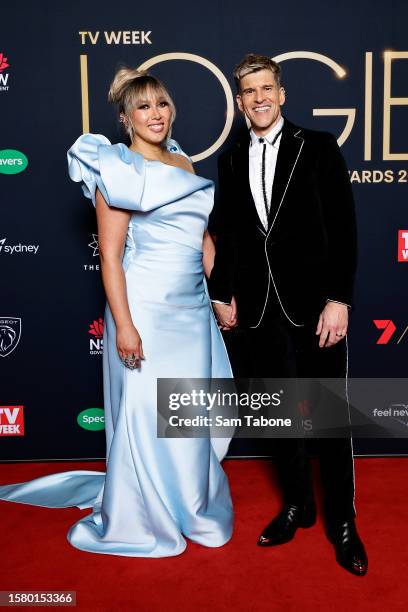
pixel 278 349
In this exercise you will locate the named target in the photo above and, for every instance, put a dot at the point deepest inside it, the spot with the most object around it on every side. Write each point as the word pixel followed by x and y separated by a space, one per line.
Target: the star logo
pixel 94 245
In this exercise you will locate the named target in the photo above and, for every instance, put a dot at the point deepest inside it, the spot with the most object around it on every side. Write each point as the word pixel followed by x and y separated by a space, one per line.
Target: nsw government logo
pixel 10 334
pixel 11 420
pixel 4 76
pixel 12 161
pixel 96 342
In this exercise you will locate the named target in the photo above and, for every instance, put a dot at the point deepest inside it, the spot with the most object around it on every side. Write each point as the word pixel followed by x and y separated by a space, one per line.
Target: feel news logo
pixel 11 420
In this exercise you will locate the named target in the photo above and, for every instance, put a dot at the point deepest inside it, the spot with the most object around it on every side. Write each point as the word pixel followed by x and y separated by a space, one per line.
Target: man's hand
pixel 226 314
pixel 332 325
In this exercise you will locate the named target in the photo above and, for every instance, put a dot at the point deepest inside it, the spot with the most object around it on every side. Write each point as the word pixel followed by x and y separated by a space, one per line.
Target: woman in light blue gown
pixel 152 213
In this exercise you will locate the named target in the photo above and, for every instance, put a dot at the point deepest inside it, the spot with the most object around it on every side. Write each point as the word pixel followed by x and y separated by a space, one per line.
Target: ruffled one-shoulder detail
pixel 124 176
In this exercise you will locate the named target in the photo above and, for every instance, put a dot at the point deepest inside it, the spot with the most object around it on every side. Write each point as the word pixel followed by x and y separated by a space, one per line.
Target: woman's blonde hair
pixel 130 87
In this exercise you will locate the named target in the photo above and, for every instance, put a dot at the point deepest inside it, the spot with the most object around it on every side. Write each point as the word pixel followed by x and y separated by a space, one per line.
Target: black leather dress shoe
pixel 350 551
pixel 283 527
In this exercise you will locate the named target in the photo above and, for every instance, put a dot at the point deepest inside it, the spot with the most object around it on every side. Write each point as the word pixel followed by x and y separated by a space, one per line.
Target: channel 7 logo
pixel 388 329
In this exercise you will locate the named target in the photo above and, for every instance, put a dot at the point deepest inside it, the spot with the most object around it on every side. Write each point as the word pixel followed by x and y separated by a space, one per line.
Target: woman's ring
pixel 130 361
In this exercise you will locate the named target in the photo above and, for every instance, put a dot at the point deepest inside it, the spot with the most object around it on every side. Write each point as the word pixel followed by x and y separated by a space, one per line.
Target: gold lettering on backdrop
pixel 368 104
pixel 350 113
pixel 129 37
pixel 93 37
pixel 390 101
pixel 165 57
pixel 318 57
pixel 84 93
pixel 112 37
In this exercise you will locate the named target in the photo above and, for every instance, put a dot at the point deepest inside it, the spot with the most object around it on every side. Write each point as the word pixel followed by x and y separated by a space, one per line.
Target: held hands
pixel 226 315
pixel 332 325
pixel 129 345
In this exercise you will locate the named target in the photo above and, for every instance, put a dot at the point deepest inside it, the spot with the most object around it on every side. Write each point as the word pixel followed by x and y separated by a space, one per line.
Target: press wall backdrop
pixel 345 68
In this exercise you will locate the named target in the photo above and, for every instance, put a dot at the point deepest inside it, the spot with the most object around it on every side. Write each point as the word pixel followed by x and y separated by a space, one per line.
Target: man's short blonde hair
pixel 254 63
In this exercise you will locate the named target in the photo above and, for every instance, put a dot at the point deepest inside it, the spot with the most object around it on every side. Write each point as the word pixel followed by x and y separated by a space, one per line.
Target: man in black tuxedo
pixel 283 273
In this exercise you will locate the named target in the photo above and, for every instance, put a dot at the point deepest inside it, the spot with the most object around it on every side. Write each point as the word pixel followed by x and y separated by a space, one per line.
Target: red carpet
pixel 301 575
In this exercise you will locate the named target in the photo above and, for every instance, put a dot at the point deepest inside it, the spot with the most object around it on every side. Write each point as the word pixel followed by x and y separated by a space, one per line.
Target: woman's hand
pixel 129 345
pixel 226 314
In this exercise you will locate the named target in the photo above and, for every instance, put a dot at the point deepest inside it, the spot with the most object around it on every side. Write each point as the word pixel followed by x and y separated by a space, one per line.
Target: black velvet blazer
pixel 308 255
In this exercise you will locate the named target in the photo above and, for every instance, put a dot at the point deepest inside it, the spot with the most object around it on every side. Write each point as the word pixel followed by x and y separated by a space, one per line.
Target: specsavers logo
pixel 12 161
pixel 92 419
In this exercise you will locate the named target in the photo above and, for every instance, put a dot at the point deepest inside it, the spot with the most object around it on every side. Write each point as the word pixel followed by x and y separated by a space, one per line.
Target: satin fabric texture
pixel 156 491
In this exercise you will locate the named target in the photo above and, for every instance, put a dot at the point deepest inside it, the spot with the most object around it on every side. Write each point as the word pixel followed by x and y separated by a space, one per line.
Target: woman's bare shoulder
pixel 181 161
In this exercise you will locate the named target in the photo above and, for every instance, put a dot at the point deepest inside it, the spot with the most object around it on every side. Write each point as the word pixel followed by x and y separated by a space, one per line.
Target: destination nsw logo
pixel 96 342
pixel 11 420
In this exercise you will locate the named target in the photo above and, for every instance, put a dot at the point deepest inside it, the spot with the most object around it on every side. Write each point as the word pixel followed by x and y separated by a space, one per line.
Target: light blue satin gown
pixel 155 491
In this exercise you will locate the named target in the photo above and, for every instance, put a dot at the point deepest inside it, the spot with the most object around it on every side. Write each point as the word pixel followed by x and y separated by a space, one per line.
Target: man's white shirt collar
pixel 269 136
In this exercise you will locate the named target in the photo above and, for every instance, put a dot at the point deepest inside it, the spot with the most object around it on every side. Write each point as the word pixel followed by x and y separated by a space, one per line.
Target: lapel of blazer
pixel 240 168
pixel 290 148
